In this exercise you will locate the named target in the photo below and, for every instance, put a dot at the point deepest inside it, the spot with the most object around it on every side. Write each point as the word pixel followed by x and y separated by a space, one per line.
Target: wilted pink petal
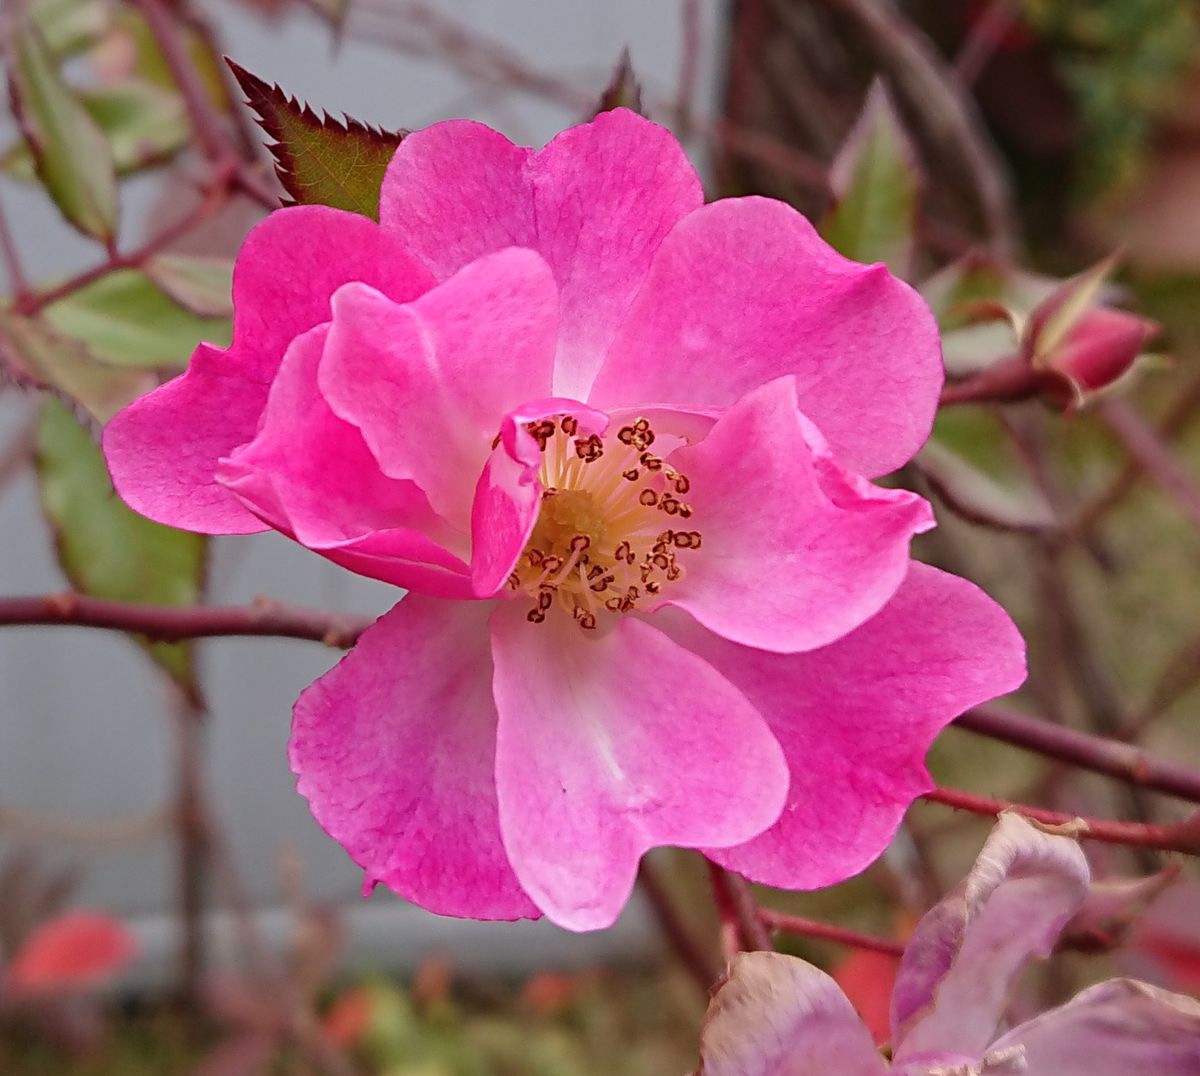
pixel 968 950
pixel 795 552
pixel 855 719
pixel 595 203
pixel 163 449
pixel 779 1016
pixel 394 749
pixel 611 745
pixel 70 952
pixel 744 291
pixel 1119 1028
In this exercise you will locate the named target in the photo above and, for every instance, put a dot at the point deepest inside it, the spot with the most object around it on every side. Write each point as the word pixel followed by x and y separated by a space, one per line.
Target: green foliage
pixel 1124 59
pixel 40 357
pixel 320 160
pixel 69 25
pixel 104 548
pixel 127 320
pixel 876 187
pixel 201 285
pixel 143 123
pixel 71 155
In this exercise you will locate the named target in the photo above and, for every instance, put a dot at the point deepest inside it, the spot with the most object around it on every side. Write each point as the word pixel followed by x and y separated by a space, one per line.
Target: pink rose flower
pixel 613 441
pixel 777 1015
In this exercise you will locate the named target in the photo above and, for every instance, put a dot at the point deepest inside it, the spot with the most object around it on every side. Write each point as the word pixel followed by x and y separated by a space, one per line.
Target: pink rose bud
pixel 1078 347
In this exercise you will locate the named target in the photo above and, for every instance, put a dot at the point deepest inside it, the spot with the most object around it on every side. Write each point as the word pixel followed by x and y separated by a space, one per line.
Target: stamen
pixel 598 543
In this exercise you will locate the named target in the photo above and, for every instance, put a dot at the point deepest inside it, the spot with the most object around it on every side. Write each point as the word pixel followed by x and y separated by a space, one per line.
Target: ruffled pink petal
pixel 428 383
pixel 610 746
pixel 744 291
pixel 508 495
pixel 1119 1028
pixel 595 203
pixel 776 1015
pixel 960 964
pixel 394 749
pixel 163 449
pixel 855 719
pixel 796 552
pixel 309 474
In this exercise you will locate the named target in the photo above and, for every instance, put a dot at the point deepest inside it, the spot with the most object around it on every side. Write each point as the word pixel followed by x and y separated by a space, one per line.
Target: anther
pixel 633 474
pixel 589 450
pixel 535 616
pixel 580 542
pixel 570 425
pixel 648 497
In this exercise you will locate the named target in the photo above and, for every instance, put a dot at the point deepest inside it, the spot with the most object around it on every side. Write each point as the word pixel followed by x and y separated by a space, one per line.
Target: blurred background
pixel 1022 142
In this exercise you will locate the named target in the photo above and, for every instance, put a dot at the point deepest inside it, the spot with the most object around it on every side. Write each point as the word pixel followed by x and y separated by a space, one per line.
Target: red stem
pixel 1112 757
pixel 814 928
pixel 169 623
pixel 1181 837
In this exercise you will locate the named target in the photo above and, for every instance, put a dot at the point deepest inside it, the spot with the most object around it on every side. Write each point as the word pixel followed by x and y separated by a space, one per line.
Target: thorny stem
pixel 1180 837
pixel 815 928
pixel 692 954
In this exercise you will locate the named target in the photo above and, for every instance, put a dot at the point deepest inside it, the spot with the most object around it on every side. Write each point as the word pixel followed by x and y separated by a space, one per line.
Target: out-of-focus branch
pixel 735 904
pixel 922 78
pixel 692 954
pixel 33 302
pixel 12 258
pixel 170 623
pixel 1180 837
pixel 815 928
pixel 1144 444
pixel 214 140
pixel 1178 416
pixel 1095 753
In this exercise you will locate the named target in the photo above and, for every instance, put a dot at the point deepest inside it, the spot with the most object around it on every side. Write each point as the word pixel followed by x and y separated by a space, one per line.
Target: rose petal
pixel 394 749
pixel 965 954
pixel 611 745
pixel 776 1015
pixel 163 449
pixel 744 291
pixel 427 383
pixel 309 474
pixel 855 719
pixel 595 203
pixel 1117 1028
pixel 796 552
pixel 508 495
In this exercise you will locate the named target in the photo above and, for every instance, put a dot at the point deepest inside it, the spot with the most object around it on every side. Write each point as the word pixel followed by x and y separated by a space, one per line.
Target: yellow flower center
pixel 602 540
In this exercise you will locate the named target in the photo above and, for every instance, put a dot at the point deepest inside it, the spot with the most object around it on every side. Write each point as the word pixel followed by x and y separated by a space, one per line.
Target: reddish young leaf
pixel 320 160
pixel 75 950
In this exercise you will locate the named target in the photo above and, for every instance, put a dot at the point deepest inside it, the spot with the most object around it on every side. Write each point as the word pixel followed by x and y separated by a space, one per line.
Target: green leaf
pixel 70 26
pixel 876 187
pixel 143 123
pixel 202 285
pixel 104 548
pixel 71 155
pixel 39 357
pixel 320 160
pixel 624 90
pixel 127 320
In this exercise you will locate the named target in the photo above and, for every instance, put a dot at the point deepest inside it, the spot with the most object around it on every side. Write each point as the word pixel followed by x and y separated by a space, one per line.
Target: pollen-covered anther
pixel 598 544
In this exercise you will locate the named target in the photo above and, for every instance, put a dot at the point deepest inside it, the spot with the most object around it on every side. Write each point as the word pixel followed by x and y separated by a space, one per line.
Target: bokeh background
pixel 1053 133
